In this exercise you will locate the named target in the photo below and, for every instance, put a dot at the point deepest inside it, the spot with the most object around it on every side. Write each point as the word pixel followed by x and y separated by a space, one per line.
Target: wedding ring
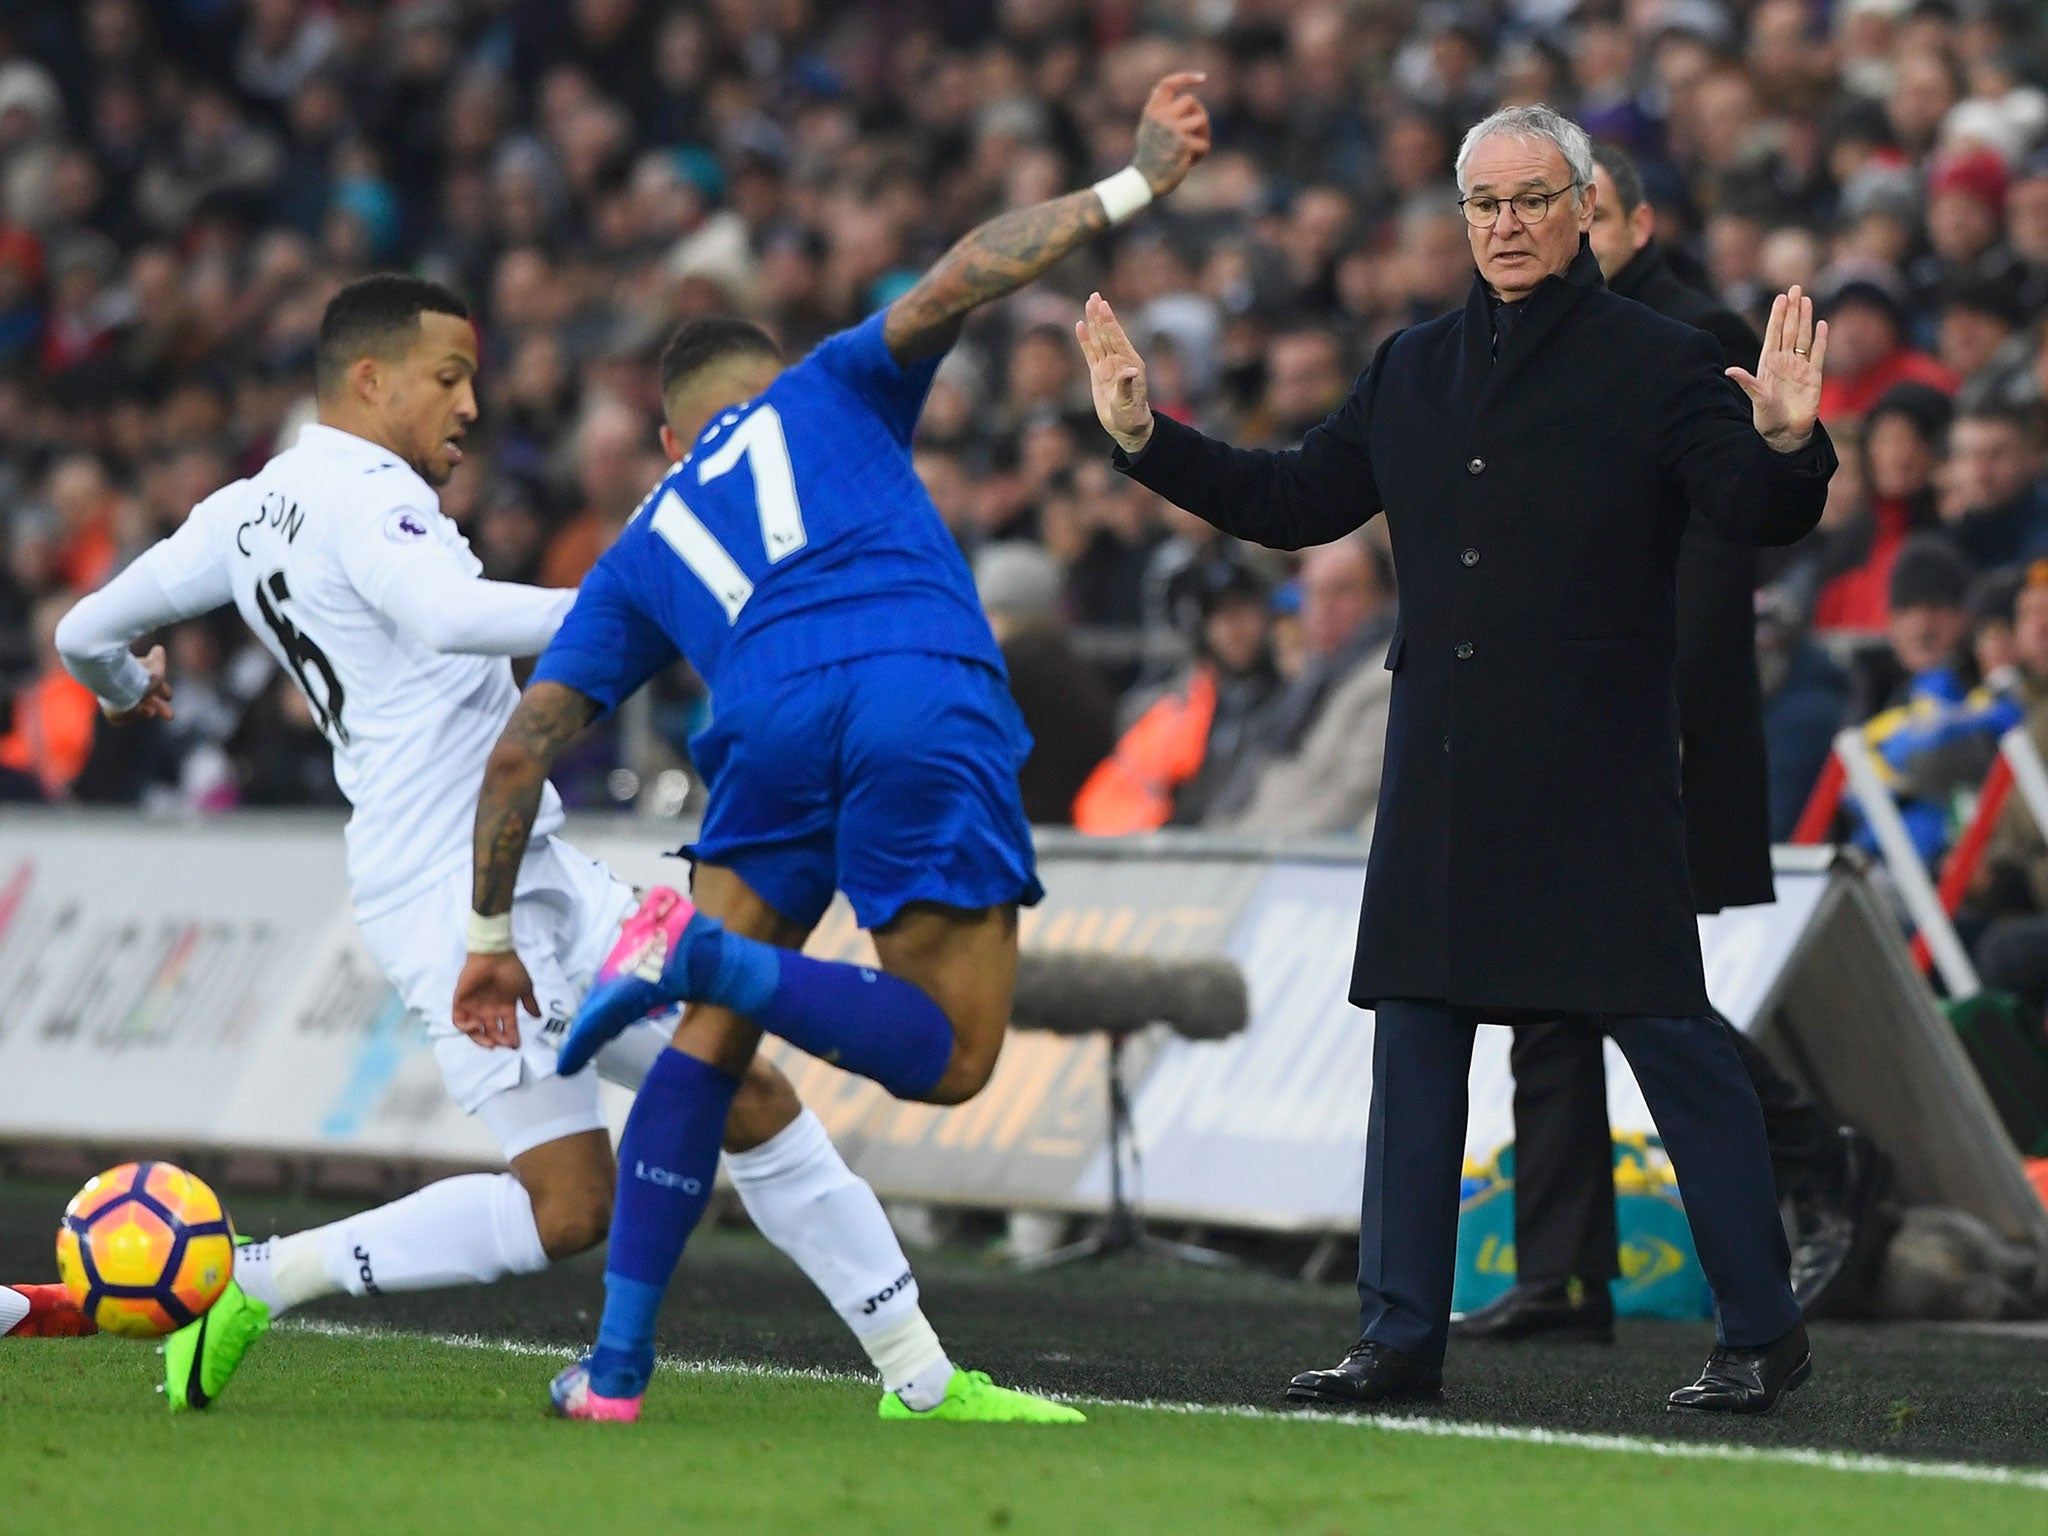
pixel 1799 351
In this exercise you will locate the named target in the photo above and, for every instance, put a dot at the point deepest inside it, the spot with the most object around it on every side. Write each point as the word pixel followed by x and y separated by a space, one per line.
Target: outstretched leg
pixel 557 1201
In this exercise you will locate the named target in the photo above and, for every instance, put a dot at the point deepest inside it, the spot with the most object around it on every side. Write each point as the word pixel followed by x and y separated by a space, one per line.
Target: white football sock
pixel 13 1308
pixel 255 1271
pixel 462 1231
pixel 912 1361
pixel 805 1200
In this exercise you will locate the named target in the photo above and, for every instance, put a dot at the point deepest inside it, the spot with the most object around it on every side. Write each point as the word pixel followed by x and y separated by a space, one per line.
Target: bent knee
pixel 574 1221
pixel 973 1064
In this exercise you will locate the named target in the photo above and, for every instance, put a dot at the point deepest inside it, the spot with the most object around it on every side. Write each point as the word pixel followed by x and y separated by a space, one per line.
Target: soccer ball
pixel 145 1248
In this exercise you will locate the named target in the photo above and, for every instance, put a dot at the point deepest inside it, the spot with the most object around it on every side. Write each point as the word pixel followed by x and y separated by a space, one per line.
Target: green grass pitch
pixel 376 1435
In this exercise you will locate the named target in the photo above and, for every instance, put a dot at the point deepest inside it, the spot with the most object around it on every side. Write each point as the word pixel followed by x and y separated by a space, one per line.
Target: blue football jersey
pixel 794 534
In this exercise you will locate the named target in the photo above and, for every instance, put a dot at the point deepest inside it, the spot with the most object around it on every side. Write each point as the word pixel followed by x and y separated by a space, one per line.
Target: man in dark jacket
pixel 1720 700
pixel 1565 1233
pixel 1538 456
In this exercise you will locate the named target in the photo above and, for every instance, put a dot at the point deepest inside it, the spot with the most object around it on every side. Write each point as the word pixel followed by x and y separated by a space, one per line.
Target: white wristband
pixel 490 935
pixel 1124 195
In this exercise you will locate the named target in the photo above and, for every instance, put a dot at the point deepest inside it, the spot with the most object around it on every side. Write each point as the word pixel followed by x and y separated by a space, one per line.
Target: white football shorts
pixel 566 912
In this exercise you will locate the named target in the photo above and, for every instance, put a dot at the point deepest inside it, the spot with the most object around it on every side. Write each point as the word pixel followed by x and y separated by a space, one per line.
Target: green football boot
pixel 971 1398
pixel 200 1357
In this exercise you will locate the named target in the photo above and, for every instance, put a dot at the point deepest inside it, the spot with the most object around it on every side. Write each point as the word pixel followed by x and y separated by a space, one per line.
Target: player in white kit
pixel 340 560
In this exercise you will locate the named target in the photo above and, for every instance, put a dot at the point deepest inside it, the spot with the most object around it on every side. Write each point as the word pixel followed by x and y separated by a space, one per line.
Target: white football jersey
pixel 307 549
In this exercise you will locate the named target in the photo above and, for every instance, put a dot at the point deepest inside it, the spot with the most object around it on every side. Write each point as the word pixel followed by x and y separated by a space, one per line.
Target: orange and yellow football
pixel 145 1248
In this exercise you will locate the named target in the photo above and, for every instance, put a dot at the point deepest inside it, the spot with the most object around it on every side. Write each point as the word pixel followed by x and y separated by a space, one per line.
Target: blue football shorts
pixel 892 778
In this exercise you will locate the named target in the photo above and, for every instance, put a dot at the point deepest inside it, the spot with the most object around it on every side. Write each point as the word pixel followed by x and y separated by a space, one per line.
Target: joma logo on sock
pixel 667 1178
pixel 895 1287
pixel 363 1274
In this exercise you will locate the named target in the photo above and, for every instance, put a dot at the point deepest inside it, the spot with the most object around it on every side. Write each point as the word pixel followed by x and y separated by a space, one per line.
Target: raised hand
pixel 1173 133
pixel 488 997
pixel 155 703
pixel 1784 392
pixel 1116 374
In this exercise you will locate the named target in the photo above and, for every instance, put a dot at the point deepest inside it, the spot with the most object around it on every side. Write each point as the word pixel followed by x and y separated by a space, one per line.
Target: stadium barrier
pixel 1902 862
pixel 176 985
pixel 1852 772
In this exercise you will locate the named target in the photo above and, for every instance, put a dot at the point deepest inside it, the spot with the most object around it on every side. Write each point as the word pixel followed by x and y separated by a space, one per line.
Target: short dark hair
pixel 1620 167
pixel 2023 419
pixel 700 343
pixel 374 316
pixel 1930 572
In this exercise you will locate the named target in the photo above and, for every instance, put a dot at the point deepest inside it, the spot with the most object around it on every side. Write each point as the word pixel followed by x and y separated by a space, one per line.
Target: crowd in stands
pixel 183 183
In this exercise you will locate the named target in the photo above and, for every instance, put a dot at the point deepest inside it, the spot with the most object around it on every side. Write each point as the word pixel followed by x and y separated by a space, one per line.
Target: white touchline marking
pixel 1450 1429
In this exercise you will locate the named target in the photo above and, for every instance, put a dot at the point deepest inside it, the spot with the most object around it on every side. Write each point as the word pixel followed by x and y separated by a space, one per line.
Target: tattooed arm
pixel 492 986
pixel 1001 256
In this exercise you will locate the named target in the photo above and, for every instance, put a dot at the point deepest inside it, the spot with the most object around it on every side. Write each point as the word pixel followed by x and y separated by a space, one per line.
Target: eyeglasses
pixel 1530 207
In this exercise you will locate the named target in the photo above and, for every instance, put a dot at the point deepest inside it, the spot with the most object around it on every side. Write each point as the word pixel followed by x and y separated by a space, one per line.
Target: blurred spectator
pixel 1867 351
pixel 1994 504
pixel 2012 885
pixel 1305 381
pixel 2026 219
pixel 1065 706
pixel 946 481
pixel 1903 438
pixel 1189 741
pixel 1966 192
pixel 182 185
pixel 1974 322
pixel 21 281
pixel 287 756
pixel 1938 731
pixel 213 156
pixel 1313 764
pixel 1806 699
pixel 1104 533
pixel 50 735
pixel 615 469
pixel 1927 621
pixel 86 505
pixel 1623 237
pixel 286 41
pixel 1994 612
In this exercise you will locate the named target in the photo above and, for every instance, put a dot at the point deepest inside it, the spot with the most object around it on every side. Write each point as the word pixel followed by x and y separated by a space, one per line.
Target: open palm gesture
pixel 1116 375
pixel 1784 392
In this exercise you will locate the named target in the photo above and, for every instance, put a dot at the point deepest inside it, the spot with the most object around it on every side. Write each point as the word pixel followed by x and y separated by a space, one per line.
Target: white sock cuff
pixel 518 1232
pixel 904 1349
pixel 800 1148
pixel 305 1266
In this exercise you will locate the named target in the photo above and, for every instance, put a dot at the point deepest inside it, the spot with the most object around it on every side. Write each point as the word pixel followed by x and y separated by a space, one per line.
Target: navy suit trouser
pixel 1707 1115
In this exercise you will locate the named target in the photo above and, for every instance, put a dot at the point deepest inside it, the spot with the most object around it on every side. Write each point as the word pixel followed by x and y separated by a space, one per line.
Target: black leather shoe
pixel 1550 1312
pixel 1371 1373
pixel 1840 1229
pixel 1748 1380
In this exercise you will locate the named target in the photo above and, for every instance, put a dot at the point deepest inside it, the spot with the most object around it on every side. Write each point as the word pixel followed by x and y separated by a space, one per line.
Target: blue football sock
pixel 856 1017
pixel 667 1160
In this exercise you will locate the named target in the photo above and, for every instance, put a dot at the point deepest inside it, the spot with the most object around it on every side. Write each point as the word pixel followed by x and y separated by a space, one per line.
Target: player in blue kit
pixel 863 739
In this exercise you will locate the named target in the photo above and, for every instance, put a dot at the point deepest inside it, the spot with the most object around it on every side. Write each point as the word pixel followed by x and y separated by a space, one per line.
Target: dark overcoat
pixel 1529 854
pixel 1723 771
